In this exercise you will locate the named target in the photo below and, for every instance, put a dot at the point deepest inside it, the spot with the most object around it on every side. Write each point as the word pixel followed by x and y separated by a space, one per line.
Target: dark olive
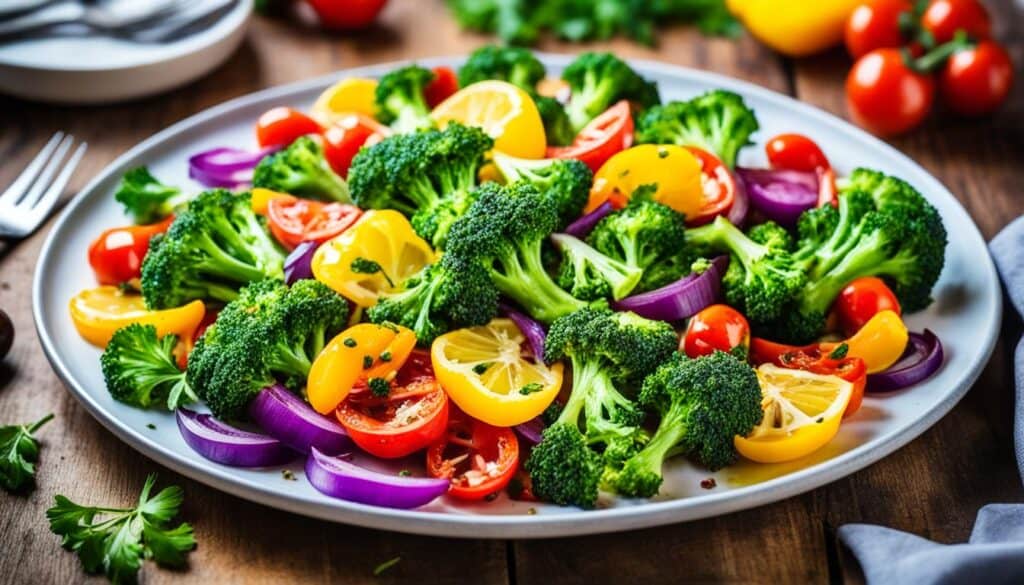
pixel 6 334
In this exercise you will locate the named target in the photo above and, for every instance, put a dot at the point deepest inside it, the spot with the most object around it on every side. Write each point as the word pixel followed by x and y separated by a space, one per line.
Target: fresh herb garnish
pixel 379 569
pixel 379 387
pixel 366 266
pixel 840 352
pixel 531 388
pixel 385 356
pixel 404 473
pixel 20 451
pixel 349 342
pixel 115 540
pixel 479 369
pixel 367 362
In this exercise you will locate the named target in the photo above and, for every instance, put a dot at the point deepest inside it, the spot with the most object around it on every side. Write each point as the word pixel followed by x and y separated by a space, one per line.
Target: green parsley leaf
pixel 366 266
pixel 480 369
pixel 531 388
pixel 839 352
pixel 379 387
pixel 19 451
pixel 115 540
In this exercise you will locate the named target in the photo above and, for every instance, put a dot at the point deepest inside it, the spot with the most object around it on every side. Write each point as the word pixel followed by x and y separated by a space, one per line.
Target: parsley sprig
pixel 116 540
pixel 19 451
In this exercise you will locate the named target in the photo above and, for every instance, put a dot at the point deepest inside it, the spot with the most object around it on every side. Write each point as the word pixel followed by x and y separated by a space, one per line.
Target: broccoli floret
pixel 647 235
pixel 589 274
pixel 608 351
pixel 270 332
pixel 718 122
pixel 557 127
pixel 302 170
pixel 450 294
pixel 505 231
pixel 145 198
pixel 772 235
pixel 599 80
pixel 761 279
pixel 399 101
pixel 703 403
pixel 565 181
pixel 428 175
pixel 214 247
pixel 516 65
pixel 141 370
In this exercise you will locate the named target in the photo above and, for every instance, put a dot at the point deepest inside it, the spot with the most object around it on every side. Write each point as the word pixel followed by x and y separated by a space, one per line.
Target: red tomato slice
pixel 719 187
pixel 413 416
pixel 344 139
pixel 293 221
pixel 281 125
pixel 116 255
pixel 444 85
pixel 604 136
pixel 861 300
pixel 478 458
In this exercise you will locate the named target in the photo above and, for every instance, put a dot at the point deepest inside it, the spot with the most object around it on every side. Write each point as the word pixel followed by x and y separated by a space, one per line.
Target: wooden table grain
pixel 932 487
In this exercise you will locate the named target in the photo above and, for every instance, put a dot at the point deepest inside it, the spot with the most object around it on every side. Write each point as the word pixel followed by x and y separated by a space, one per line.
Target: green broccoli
pixel 718 122
pixel 565 181
pixel 557 127
pixel 214 247
pixel 649 236
pixel 516 65
pixel 301 170
pixel 145 198
pixel 761 279
pixel 270 332
pixel 589 274
pixel 608 351
pixel 429 176
pixel 703 404
pixel 450 294
pixel 141 370
pixel 505 231
pixel 399 100
pixel 598 81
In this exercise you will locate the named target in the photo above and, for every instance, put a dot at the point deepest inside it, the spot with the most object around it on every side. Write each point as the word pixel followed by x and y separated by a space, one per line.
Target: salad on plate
pixel 514 284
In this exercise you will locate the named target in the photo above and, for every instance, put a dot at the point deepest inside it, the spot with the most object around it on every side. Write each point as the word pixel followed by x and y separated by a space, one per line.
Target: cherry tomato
pixel 795 152
pixel 885 96
pixel 344 138
pixel 943 18
pixel 718 185
pixel 976 80
pixel 604 136
pixel 861 300
pixel 444 85
pixel 817 359
pixel 347 14
pixel 293 221
pixel 875 24
pixel 411 417
pixel 718 327
pixel 116 255
pixel 281 126
pixel 478 458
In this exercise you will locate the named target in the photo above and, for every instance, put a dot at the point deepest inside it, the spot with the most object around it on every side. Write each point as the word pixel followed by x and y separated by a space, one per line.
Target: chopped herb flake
pixel 379 569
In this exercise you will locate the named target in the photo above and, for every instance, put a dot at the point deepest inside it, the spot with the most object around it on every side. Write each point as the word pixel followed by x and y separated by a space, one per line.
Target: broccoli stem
pixel 585 374
pixel 289 359
pixel 530 285
pixel 221 263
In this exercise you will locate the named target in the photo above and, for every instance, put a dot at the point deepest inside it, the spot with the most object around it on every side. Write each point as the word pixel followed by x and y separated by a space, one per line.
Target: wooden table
pixel 932 487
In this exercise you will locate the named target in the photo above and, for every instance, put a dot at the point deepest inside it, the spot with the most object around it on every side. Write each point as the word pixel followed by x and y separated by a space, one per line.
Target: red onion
pixel 780 195
pixel 740 204
pixel 533 331
pixel 681 299
pixel 922 358
pixel 225 167
pixel 344 480
pixel 299 263
pixel 225 444
pixel 287 418
pixel 584 225
pixel 531 430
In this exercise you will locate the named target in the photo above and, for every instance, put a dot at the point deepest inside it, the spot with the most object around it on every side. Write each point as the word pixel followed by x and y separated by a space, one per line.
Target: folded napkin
pixel 995 552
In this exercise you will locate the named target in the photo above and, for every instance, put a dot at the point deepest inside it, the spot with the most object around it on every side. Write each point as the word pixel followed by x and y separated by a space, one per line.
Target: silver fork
pixel 29 199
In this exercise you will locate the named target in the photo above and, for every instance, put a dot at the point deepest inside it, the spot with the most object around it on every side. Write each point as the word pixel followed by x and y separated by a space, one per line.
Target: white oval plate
pixel 965 316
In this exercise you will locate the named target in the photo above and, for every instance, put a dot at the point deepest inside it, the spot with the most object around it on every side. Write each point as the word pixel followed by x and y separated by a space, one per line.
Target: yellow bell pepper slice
pixel 794 27
pixel 353 95
pixel 98 312
pixel 261 198
pixel 672 170
pixel 880 342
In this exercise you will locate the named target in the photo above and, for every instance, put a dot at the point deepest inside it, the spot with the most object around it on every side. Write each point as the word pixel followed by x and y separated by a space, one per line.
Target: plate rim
pixel 445 524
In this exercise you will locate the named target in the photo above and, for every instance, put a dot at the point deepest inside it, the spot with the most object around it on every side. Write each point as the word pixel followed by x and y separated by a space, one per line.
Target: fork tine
pixel 24 180
pixel 49 199
pixel 46 177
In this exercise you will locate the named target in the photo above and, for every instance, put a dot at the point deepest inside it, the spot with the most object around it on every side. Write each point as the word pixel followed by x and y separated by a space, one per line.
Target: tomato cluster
pixel 907 53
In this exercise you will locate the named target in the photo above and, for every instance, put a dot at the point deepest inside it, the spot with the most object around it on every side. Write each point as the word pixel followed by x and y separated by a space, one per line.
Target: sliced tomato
pixel 824 359
pixel 605 135
pixel 116 255
pixel 344 138
pixel 411 417
pixel 279 126
pixel 716 328
pixel 478 458
pixel 718 184
pixel 444 85
pixel 293 221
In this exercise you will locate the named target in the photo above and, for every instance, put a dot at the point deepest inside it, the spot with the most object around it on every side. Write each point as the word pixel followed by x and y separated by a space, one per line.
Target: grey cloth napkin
pixel 995 552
